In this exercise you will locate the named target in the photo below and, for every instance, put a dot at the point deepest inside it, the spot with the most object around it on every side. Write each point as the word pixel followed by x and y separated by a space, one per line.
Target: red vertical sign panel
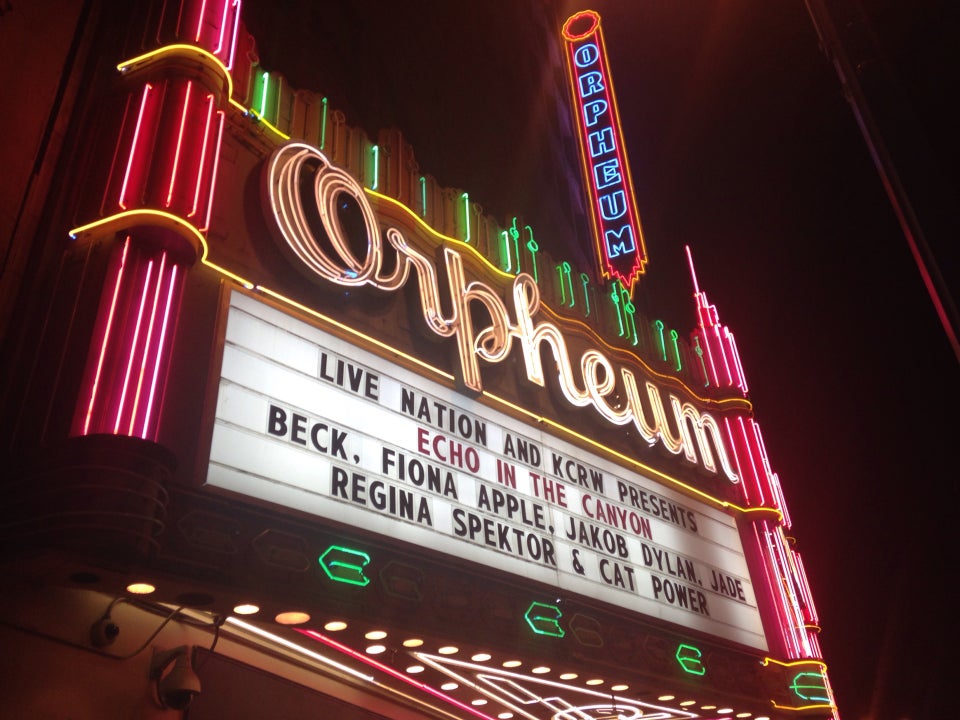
pixel 616 223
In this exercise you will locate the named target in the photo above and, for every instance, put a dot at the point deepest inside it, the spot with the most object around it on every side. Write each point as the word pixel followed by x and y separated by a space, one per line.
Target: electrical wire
pixel 154 608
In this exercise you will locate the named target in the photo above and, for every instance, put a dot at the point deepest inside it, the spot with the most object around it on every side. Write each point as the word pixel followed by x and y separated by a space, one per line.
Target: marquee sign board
pixel 309 421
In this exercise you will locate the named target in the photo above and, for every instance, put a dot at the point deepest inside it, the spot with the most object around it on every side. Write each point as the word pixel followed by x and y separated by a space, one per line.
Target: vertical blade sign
pixel 616 223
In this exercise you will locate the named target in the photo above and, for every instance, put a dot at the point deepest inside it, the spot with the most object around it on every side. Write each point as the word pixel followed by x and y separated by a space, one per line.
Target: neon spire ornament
pixel 718 344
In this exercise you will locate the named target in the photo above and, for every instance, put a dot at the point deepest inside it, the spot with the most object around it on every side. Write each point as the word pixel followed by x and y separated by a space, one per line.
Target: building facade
pixel 294 429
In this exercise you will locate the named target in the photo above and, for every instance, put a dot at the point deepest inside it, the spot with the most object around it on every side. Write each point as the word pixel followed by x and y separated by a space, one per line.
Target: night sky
pixel 743 147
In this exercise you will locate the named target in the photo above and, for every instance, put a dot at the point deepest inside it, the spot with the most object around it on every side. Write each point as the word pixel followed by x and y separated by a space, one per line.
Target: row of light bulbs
pixel 297 617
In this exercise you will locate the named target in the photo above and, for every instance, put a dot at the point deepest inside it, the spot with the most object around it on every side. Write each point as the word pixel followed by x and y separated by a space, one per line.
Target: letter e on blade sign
pixel 544 619
pixel 345 565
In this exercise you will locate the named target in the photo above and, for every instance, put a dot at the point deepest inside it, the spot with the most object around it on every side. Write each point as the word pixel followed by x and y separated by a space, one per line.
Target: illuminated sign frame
pixel 307 420
pixel 620 247
pixel 599 382
pixel 615 392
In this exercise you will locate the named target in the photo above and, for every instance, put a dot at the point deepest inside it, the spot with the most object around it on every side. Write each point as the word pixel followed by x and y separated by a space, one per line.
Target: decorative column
pixel 157 204
pixel 789 616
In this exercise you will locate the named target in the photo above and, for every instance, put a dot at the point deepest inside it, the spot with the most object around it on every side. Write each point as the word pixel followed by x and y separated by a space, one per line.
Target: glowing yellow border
pixel 792 663
pixel 118 223
pixel 739 402
pixel 354 332
pixel 801 708
pixel 209 59
pixel 817 706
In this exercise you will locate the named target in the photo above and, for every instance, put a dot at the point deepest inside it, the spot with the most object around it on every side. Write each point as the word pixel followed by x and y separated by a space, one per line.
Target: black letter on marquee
pixel 278 421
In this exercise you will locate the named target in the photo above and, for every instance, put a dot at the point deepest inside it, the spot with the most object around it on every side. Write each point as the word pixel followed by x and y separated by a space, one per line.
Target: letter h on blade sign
pixel 613 212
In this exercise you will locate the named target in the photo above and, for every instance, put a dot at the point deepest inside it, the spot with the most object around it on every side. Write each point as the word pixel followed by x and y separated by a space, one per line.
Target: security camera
pixel 178 685
pixel 103 632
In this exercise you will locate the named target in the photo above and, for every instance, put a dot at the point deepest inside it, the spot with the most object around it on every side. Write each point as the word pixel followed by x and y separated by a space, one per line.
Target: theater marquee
pixel 309 421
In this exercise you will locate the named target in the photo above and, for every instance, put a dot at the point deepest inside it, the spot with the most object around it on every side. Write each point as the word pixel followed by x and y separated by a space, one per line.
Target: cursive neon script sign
pixel 592 379
pixel 616 223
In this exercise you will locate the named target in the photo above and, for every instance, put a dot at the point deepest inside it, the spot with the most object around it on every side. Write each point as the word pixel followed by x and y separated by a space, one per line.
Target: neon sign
pixel 810 686
pixel 613 212
pixel 544 619
pixel 345 565
pixel 615 392
pixel 690 659
pixel 307 420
